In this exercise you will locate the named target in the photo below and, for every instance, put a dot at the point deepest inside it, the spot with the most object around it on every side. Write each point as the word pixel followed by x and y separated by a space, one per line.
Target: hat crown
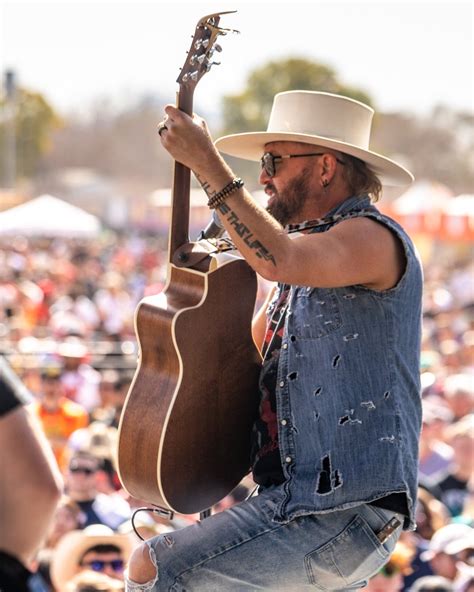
pixel 322 114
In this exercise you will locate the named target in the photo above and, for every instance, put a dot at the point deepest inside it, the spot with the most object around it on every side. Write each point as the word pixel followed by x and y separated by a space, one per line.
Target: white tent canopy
pixel 48 216
pixel 462 205
pixel 423 196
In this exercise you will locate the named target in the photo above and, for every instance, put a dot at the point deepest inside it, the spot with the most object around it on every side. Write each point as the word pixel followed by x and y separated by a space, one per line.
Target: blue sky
pixel 408 56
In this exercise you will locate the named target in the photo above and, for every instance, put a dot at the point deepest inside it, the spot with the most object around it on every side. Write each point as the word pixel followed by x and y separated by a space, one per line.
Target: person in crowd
pixel 100 440
pixel 431 515
pixel 93 581
pixel 79 379
pixel 390 577
pixel 435 455
pixel 95 548
pixel 67 517
pixel 444 549
pixel 31 486
pixel 432 584
pixel 59 416
pixel 459 394
pixel 109 380
pixel 457 483
pixel 109 509
pixel 114 304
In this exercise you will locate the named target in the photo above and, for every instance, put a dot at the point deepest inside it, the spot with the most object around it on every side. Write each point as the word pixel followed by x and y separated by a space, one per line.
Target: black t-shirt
pixel 13 392
pixel 8 399
pixel 14 577
pixel 267 469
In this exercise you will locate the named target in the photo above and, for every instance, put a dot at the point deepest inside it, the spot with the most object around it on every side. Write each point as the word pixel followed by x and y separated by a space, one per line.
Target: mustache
pixel 270 186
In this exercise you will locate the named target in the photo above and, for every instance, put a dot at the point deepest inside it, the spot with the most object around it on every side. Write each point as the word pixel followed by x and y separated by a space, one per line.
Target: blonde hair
pixel 360 178
pixel 402 557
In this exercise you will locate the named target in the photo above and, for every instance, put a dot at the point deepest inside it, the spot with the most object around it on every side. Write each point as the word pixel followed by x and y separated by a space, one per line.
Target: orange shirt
pixel 58 425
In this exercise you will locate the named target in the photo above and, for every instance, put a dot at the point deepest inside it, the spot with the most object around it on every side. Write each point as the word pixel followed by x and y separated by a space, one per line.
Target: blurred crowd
pixel 66 327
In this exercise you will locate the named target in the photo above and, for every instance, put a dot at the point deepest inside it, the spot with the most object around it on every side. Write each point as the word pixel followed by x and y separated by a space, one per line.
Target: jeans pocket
pixel 347 560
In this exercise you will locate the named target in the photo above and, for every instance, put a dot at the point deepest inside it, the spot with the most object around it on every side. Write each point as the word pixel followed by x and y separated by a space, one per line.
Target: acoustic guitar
pixel 184 434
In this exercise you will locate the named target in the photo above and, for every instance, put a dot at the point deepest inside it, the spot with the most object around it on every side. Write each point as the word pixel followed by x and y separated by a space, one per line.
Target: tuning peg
pixel 193 76
pixel 209 65
pixel 198 44
pixel 188 76
pixel 217 47
pixel 213 50
pixel 205 43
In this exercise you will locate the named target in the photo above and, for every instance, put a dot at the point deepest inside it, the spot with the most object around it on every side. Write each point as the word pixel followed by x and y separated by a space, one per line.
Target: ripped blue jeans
pixel 244 549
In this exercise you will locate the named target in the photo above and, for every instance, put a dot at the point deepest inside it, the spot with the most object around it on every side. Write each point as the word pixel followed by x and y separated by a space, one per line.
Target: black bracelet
pixel 220 197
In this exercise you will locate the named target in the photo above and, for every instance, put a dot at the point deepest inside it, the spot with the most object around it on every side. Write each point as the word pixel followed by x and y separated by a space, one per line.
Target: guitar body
pixel 184 436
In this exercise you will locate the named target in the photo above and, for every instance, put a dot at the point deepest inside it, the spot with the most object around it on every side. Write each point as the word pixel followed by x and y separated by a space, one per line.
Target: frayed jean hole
pixel 328 480
pixel 351 336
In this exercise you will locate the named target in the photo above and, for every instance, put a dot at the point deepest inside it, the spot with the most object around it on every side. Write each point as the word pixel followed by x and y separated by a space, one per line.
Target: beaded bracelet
pixel 220 197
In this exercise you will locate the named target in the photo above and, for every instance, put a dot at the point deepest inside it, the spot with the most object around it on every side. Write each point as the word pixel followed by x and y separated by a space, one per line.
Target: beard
pixel 287 206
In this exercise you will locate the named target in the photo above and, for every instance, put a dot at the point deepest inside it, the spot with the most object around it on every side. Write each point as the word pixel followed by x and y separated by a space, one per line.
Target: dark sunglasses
pixel 98 564
pixel 269 160
pixel 85 470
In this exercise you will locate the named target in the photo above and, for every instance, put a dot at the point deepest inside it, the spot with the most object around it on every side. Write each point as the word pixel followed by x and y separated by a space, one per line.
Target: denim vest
pixel 348 388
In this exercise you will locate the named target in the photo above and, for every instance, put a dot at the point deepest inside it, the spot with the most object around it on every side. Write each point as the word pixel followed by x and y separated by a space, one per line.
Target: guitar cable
pixel 170 515
pixel 157 510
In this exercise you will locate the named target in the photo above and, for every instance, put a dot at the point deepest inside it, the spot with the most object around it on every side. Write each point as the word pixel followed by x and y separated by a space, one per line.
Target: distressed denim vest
pixel 348 388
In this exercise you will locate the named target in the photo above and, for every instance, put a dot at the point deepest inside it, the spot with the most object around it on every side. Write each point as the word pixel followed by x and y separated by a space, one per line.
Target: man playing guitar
pixel 335 445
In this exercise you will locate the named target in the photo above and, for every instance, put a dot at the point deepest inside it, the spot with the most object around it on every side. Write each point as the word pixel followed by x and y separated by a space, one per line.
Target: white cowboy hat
pixel 73 545
pixel 322 119
pixel 446 540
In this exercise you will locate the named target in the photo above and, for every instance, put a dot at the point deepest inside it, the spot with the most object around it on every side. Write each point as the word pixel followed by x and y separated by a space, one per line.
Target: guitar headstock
pixel 203 46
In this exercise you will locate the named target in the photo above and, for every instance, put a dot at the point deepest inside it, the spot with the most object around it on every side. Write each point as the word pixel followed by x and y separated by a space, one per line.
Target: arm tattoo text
pixel 205 185
pixel 245 234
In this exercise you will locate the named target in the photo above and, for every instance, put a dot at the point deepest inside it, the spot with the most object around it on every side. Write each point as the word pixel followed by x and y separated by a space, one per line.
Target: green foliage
pixel 34 121
pixel 250 110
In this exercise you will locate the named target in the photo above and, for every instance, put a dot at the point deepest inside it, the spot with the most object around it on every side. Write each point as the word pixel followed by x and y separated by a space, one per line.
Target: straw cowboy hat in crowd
pixel 322 119
pixel 71 548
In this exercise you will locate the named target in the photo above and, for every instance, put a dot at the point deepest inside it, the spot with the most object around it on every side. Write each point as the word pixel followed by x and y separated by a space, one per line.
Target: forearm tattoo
pixel 205 185
pixel 245 234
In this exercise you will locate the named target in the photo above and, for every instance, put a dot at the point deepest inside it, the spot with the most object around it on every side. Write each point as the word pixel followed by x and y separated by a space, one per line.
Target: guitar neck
pixel 198 62
pixel 179 230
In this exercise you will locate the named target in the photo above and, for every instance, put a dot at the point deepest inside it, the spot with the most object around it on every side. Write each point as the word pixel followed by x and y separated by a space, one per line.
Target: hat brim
pixel 251 146
pixel 73 546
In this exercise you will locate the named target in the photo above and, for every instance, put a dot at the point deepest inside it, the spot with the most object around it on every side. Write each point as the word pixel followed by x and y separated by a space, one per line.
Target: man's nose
pixel 109 571
pixel 264 177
